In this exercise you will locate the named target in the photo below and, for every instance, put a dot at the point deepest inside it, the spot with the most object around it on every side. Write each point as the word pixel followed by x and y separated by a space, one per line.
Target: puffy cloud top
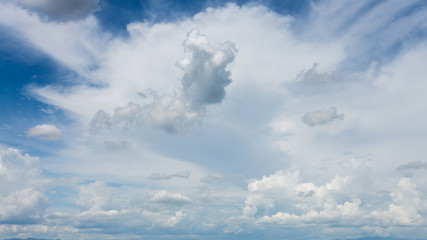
pixel 206 73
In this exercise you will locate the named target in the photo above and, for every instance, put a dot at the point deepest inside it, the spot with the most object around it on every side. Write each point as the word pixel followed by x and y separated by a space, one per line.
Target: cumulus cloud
pixel 321 117
pixel 62 10
pixel 168 113
pixel 94 196
pixel 45 131
pixel 22 198
pixel 164 176
pixel 167 197
pixel 23 206
pixel 206 73
pixel 415 165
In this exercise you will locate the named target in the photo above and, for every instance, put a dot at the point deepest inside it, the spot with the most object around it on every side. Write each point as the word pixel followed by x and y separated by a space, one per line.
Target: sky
pixel 213 119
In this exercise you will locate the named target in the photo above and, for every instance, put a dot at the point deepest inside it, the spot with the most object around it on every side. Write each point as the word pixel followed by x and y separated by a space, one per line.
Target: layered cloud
pixel 164 176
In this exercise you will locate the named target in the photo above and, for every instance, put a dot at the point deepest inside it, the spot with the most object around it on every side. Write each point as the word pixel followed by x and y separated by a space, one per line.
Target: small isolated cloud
pixel 164 176
pixel 45 131
pixel 62 10
pixel 206 73
pixel 321 117
pixel 415 165
pixel 166 197
pixel 214 177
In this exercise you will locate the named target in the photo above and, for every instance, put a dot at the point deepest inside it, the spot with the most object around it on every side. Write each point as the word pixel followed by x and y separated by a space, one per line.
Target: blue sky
pixel 213 119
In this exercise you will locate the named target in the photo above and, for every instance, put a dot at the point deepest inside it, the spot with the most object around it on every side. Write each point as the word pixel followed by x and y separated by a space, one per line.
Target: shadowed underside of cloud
pixel 321 117
pixel 62 10
pixel 415 165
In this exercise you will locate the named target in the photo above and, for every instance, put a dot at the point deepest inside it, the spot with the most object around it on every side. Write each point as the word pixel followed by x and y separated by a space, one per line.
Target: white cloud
pixel 23 206
pixel 321 117
pixel 339 194
pixel 95 196
pixel 206 76
pixel 167 197
pixel 46 132
pixel 22 198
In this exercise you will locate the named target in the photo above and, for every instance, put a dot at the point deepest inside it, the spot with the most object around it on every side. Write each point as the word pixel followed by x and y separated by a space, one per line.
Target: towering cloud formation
pixel 206 74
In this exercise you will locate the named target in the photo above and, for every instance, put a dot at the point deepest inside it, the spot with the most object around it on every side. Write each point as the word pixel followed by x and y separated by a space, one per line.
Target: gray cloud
pixel 206 73
pixel 169 113
pixel 164 176
pixel 62 10
pixel 415 165
pixel 170 198
pixel 321 117
pixel 214 177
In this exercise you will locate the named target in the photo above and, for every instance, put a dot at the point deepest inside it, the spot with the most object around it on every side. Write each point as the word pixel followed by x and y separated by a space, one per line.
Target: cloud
pixel 168 113
pixel 94 197
pixel 23 206
pixel 164 176
pixel 206 75
pixel 113 74
pixel 116 145
pixel 415 165
pixel 206 69
pixel 312 76
pixel 211 178
pixel 321 117
pixel 63 10
pixel 45 131
pixel 22 198
pixel 166 197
